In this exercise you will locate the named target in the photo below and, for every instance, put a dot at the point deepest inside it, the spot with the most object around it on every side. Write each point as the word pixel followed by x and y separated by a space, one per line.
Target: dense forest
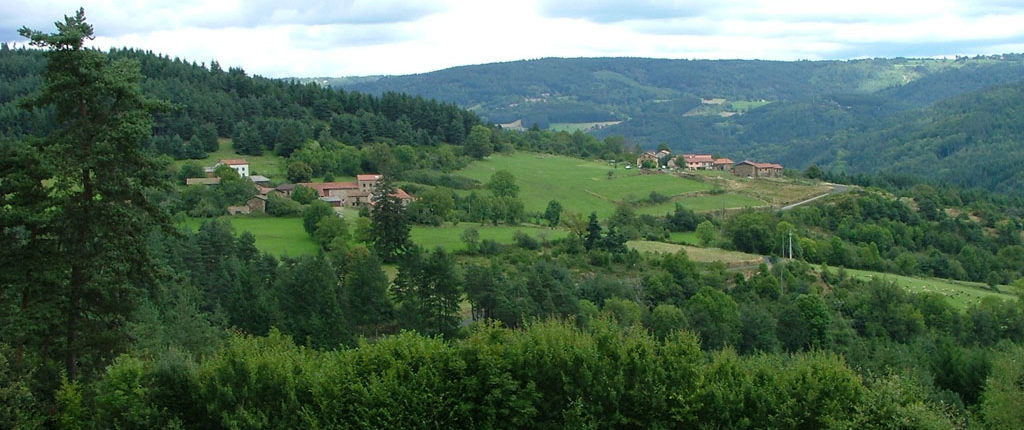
pixel 114 316
pixel 935 118
pixel 262 114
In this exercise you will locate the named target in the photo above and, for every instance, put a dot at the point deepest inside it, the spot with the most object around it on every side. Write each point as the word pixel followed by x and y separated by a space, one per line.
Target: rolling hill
pixel 931 117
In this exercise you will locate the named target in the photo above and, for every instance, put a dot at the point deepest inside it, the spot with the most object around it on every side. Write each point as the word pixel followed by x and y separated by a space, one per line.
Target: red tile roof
pixel 723 161
pixel 368 177
pixel 234 162
pixel 400 193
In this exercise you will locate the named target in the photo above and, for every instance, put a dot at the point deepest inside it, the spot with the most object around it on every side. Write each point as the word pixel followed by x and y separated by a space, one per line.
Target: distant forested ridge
pixel 265 114
pixel 937 118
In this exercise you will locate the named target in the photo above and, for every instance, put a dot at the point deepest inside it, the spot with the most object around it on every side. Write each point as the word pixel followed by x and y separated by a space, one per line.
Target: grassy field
pixel 960 294
pixel 684 237
pixel 776 192
pixel 285 236
pixel 580 185
pixel 704 203
pixel 277 236
pixel 745 105
pixel 700 255
pixel 268 164
pixel 573 127
pixel 449 237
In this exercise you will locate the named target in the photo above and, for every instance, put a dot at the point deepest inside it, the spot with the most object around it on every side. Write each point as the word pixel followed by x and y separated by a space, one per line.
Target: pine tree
pixel 389 223
pixel 427 289
pixel 92 211
pixel 366 291
pixel 593 232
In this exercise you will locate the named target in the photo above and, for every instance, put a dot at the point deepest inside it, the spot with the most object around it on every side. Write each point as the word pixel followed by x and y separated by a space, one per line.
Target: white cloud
pixel 357 37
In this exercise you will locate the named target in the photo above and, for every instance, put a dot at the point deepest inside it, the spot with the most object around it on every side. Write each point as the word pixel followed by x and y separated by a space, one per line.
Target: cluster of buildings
pixel 663 159
pixel 345 194
pixel 337 194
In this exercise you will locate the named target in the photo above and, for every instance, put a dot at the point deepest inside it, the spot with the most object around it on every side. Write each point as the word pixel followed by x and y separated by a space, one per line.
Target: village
pixel 337 194
pixel 360 192
pixel 663 160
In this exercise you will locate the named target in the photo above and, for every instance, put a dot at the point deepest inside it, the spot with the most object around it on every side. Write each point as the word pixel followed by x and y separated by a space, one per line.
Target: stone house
pixel 757 170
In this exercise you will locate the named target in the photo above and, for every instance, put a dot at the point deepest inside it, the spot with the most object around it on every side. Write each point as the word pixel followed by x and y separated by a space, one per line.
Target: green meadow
pixel 580 185
pixel 704 203
pixel 572 127
pixel 286 237
pixel 268 164
pixel 449 237
pixel 277 236
pixel 697 254
pixel 684 237
pixel 960 294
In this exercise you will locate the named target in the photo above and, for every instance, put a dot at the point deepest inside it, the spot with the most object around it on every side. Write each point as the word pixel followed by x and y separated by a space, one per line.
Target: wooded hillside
pixel 877 115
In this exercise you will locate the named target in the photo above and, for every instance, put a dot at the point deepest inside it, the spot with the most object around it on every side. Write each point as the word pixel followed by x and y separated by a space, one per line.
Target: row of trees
pixel 547 375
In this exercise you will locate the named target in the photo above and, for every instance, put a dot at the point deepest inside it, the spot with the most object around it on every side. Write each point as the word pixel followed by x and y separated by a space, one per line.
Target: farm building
pixel 723 164
pixel 259 180
pixel 285 189
pixel 257 203
pixel 698 161
pixel 757 170
pixel 351 194
pixel 648 157
pixel 240 166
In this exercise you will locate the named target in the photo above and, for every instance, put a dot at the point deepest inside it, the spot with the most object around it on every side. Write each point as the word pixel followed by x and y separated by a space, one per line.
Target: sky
pixel 318 38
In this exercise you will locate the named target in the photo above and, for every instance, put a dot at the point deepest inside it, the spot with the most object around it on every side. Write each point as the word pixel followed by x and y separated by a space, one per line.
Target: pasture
pixel 581 186
pixel 277 236
pixel 684 237
pixel 268 164
pixel 449 237
pixel 961 294
pixel 286 237
pixel 704 203
pixel 572 127
pixel 697 254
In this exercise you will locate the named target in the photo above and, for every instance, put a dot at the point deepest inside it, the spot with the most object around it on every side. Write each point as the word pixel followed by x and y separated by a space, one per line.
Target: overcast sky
pixel 309 38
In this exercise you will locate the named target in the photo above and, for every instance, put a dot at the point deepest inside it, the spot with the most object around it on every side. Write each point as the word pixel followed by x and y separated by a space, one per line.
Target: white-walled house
pixel 240 166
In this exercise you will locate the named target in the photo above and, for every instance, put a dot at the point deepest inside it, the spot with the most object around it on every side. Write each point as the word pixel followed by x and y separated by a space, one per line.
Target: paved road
pixel 836 189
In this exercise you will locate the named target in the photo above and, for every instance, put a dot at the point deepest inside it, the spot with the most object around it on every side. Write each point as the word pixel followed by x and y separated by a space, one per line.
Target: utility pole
pixel 790 244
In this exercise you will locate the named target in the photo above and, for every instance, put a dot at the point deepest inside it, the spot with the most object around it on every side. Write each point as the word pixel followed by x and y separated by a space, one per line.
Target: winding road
pixel 836 189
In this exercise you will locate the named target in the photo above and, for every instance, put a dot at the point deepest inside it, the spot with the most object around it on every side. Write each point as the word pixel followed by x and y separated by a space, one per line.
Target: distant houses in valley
pixel 663 160
pixel 353 194
pixel 337 194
